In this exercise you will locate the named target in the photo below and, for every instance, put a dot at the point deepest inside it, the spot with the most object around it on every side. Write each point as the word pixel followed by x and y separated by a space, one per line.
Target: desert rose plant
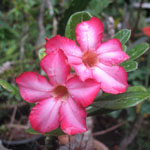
pixel 79 65
pixel 61 101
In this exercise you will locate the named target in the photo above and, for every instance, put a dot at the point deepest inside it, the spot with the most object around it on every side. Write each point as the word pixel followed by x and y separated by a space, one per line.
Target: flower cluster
pixel 61 101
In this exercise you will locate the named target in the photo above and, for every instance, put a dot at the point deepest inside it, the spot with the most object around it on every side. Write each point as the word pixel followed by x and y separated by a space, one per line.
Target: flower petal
pixel 89 34
pixel 56 67
pixel 44 117
pixel 69 47
pixel 33 87
pixel 113 79
pixel 83 72
pixel 146 31
pixel 72 117
pixel 83 92
pixel 111 53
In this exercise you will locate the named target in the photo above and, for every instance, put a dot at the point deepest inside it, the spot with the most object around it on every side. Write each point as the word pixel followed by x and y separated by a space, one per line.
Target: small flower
pixel 61 100
pixel 92 58
pixel 146 31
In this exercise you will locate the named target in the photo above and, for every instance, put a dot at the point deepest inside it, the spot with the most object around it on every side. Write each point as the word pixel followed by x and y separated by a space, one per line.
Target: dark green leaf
pixel 131 113
pixel 73 21
pixel 94 111
pixel 109 103
pixel 137 51
pixel 10 88
pixel 75 6
pixel 130 65
pixel 123 35
pixel 145 108
pixel 55 132
pixel 97 6
pixel 120 101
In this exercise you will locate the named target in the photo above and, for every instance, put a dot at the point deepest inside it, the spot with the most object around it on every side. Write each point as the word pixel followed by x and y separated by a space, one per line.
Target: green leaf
pixel 94 111
pixel 136 88
pixel 137 51
pixel 10 88
pixel 55 132
pixel 109 103
pixel 96 7
pixel 123 35
pixel 75 6
pixel 129 65
pixel 145 108
pixel 41 53
pixel 121 101
pixel 124 48
pixel 73 21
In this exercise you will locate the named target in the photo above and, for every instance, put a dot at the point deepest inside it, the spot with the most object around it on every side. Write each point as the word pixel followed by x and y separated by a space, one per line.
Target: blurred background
pixel 24 24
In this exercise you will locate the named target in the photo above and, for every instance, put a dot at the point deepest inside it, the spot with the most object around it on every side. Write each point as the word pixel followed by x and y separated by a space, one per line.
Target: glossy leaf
pixel 137 51
pixel 121 101
pixel 56 132
pixel 131 97
pixel 130 65
pixel 109 103
pixel 73 21
pixel 123 35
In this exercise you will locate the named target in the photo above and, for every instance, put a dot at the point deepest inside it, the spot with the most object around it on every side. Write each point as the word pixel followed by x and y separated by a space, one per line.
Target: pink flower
pixel 146 31
pixel 92 58
pixel 61 100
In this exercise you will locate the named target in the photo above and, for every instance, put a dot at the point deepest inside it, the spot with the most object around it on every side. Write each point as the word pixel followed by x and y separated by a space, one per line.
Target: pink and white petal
pixel 83 72
pixel 113 79
pixel 44 117
pixel 109 46
pixel 72 117
pixel 63 43
pixel 113 58
pixel 89 34
pixel 83 92
pixel 111 52
pixel 33 87
pixel 56 67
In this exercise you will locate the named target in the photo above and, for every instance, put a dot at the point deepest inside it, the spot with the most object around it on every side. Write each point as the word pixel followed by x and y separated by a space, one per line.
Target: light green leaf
pixel 136 88
pixel 10 88
pixel 124 48
pixel 129 65
pixel 73 21
pixel 41 53
pixel 137 51
pixel 55 132
pixel 123 35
